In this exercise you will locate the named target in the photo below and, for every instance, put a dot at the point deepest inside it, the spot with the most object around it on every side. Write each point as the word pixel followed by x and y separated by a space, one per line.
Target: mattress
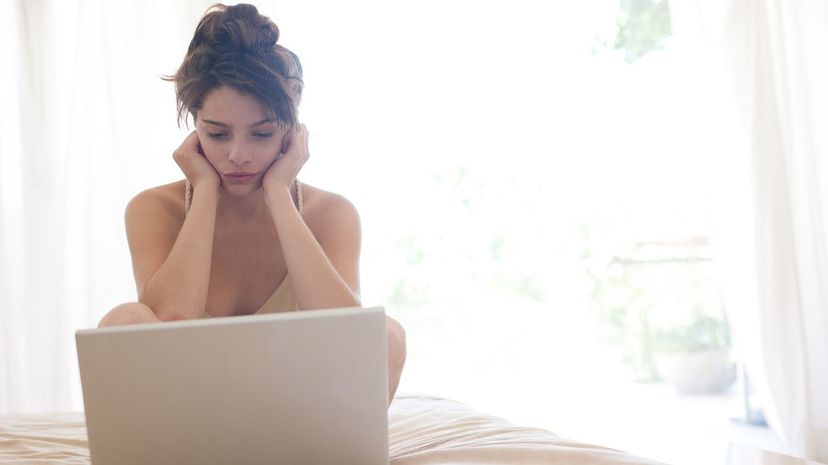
pixel 423 430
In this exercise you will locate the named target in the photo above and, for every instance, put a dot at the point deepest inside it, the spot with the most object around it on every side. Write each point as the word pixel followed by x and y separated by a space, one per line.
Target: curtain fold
pixel 31 208
pixel 772 55
pixel 80 133
pixel 9 187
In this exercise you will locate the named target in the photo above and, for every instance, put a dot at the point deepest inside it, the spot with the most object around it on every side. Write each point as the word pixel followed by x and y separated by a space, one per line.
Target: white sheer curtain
pixel 773 55
pixel 80 133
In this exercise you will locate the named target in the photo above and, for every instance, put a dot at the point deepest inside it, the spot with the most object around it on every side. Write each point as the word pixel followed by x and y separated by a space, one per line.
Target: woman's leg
pixel 129 314
pixel 396 355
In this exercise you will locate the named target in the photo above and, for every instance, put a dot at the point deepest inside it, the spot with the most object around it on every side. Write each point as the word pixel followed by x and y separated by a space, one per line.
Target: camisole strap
pixel 299 199
pixel 188 197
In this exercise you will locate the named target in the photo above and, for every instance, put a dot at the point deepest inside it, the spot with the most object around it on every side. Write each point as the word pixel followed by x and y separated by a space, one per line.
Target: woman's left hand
pixel 282 173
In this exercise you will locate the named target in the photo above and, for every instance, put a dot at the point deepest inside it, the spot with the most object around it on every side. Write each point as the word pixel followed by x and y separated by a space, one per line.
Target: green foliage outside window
pixel 643 26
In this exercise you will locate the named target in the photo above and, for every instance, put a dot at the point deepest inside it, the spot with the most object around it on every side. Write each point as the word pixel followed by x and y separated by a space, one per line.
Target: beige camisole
pixel 282 299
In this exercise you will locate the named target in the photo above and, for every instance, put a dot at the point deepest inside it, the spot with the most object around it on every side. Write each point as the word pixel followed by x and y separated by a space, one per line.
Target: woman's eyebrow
pixel 225 125
pixel 262 122
pixel 215 123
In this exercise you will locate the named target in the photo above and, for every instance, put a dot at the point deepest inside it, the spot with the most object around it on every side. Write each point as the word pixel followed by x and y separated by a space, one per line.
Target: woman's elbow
pixel 163 311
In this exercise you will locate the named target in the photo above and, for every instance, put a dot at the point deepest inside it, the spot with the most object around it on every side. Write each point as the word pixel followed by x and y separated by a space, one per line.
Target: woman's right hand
pixel 194 164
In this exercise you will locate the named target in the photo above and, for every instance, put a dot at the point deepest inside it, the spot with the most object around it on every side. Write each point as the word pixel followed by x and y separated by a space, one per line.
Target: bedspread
pixel 423 430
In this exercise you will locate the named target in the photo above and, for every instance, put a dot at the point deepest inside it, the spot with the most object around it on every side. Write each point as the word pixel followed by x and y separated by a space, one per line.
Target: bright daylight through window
pixel 552 253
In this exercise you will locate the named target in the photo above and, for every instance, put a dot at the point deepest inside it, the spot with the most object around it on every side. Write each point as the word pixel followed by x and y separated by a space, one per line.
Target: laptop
pixel 307 387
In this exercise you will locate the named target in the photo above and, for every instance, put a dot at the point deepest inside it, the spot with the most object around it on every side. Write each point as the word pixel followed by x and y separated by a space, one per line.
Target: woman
pixel 241 235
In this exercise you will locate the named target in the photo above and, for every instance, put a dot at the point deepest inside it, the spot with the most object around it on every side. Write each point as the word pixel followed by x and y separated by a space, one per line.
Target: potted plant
pixel 694 356
pixel 660 306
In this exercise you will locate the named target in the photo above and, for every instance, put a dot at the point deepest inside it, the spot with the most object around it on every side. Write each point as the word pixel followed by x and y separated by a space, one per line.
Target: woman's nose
pixel 238 155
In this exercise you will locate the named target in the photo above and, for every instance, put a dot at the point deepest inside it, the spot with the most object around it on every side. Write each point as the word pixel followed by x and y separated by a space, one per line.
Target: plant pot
pixel 698 372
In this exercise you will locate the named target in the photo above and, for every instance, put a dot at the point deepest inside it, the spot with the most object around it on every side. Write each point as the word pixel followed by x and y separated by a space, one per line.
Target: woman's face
pixel 239 138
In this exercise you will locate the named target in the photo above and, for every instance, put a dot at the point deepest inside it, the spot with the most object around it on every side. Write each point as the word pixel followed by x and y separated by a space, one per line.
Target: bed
pixel 423 430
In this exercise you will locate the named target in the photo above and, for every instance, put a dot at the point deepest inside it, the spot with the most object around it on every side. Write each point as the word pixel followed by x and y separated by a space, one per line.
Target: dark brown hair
pixel 236 46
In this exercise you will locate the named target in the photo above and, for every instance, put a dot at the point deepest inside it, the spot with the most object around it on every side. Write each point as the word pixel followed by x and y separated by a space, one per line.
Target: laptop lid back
pixel 306 387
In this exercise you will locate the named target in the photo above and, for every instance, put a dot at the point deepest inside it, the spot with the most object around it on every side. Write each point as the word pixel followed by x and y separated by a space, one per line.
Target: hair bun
pixel 236 46
pixel 243 28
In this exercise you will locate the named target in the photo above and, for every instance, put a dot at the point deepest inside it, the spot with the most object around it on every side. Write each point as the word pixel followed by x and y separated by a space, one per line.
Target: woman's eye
pixel 215 135
pixel 263 134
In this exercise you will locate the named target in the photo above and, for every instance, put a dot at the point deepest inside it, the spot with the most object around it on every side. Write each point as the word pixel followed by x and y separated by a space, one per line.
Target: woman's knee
pixel 396 341
pixel 128 314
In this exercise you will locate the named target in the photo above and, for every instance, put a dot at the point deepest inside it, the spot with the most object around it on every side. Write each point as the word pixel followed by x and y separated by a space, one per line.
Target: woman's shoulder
pixel 323 209
pixel 166 199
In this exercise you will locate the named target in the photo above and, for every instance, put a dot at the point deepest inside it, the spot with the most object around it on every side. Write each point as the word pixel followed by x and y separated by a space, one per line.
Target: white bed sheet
pixel 423 430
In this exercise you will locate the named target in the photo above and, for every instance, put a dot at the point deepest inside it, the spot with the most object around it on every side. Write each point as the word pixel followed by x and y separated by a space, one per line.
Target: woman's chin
pixel 241 190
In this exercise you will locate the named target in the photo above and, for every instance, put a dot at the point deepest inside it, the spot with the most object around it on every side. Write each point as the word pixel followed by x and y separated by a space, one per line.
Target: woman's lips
pixel 240 177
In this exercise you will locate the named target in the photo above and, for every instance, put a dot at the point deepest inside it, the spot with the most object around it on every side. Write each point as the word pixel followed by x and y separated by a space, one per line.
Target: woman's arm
pixel 324 271
pixel 171 261
pixel 323 264
pixel 172 268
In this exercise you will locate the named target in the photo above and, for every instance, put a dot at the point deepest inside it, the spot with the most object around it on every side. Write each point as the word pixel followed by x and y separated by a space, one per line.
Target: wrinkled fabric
pixel 423 430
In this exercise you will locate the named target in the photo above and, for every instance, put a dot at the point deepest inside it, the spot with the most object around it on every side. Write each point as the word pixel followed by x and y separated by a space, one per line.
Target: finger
pixel 192 139
pixel 286 141
pixel 191 143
